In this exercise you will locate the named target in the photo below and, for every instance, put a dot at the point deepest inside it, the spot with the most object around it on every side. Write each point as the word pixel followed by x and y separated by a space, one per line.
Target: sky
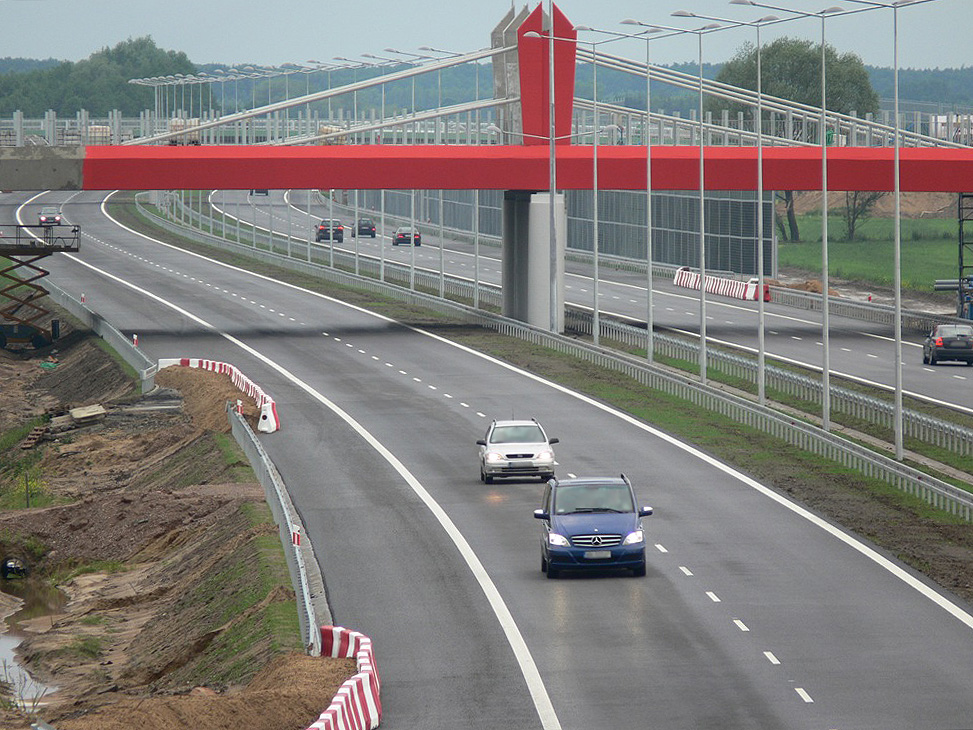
pixel 930 35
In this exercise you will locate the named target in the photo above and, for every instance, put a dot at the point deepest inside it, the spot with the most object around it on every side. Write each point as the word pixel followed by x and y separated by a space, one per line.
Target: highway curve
pixel 754 613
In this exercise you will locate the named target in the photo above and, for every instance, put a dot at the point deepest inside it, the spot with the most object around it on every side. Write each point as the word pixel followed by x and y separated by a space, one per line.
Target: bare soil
pixel 147 508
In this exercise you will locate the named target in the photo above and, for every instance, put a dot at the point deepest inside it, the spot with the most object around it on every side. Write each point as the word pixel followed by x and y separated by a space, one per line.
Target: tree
pixel 98 84
pixel 858 204
pixel 791 70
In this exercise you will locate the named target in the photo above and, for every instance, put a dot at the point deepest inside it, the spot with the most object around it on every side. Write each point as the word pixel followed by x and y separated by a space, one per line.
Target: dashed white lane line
pixel 771 658
pixel 685 570
pixel 713 597
pixel 660 548
pixel 803 695
pixel 740 625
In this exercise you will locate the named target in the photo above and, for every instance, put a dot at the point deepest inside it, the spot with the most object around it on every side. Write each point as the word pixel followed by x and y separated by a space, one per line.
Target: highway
pixel 754 613
pixel 859 350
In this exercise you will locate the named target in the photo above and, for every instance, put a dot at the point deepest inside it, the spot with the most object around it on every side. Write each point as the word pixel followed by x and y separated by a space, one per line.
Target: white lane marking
pixel 942 601
pixel 960 377
pixel 660 548
pixel 685 570
pixel 740 625
pixel 868 354
pixel 771 658
pixel 713 597
pixel 532 677
pixel 803 694
pixel 838 373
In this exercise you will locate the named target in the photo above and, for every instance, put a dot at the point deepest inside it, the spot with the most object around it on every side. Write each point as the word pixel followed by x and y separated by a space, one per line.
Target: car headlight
pixel 545 456
pixel 634 538
pixel 493 457
pixel 554 539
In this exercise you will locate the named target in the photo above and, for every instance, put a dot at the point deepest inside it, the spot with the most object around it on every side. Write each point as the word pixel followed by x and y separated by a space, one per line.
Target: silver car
pixel 516 449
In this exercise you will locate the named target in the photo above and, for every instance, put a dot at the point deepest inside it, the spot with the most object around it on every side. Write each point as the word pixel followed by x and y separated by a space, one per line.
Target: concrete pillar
pixel 526 257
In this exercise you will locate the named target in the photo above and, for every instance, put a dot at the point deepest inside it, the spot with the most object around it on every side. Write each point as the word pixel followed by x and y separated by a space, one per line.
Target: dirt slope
pixel 150 504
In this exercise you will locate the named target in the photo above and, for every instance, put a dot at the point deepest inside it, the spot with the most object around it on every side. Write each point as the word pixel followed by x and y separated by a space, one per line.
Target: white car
pixel 516 449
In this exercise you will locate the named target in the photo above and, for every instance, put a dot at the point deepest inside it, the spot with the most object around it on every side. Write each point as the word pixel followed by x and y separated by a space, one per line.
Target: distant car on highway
pixel 516 449
pixel 49 216
pixel 948 342
pixel 365 227
pixel 406 235
pixel 329 229
pixel 591 523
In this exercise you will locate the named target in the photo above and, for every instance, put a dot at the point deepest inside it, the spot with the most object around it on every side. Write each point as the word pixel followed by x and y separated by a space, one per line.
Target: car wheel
pixel 488 479
pixel 547 477
pixel 543 563
pixel 482 475
pixel 552 573
pixel 373 235
pixel 925 358
pixel 932 359
pixel 639 572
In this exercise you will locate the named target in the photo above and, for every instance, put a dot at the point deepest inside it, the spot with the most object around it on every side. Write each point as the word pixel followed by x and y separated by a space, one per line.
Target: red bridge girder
pixel 515 167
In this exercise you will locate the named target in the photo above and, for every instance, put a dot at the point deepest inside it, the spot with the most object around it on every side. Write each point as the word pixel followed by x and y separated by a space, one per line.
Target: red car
pixel 406 235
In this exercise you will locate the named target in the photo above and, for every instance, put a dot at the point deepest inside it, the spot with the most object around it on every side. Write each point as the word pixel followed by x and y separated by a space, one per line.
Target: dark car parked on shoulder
pixel 948 342
pixel 326 227
pixel 591 523
pixel 365 227
pixel 406 235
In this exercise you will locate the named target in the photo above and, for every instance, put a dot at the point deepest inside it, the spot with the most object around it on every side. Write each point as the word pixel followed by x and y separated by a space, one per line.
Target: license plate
pixel 520 465
pixel 597 554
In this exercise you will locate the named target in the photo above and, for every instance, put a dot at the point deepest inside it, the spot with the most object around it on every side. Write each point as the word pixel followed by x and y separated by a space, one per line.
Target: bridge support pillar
pixel 527 276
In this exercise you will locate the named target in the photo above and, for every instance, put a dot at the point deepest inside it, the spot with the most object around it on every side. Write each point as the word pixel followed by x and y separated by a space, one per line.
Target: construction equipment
pixel 22 313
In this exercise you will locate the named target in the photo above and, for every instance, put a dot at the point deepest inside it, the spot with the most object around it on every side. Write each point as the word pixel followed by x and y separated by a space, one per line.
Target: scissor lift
pixel 21 296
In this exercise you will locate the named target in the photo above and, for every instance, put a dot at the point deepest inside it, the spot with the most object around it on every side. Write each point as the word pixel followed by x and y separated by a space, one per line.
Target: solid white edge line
pixel 852 542
pixel 534 682
pixel 535 685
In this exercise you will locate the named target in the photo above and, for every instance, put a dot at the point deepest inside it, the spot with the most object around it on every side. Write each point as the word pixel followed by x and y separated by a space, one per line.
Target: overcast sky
pixel 933 34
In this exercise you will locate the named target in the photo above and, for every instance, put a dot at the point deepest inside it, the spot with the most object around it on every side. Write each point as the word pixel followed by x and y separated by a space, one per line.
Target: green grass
pixel 929 252
pixel 234 458
pixel 86 647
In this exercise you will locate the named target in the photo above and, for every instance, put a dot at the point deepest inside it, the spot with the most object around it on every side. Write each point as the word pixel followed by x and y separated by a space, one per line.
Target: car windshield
pixel 955 330
pixel 49 211
pixel 593 498
pixel 328 223
pixel 528 433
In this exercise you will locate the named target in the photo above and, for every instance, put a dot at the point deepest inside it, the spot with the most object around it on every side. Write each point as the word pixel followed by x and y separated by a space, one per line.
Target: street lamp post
pixel 761 345
pixel 699 33
pixel 552 166
pixel 825 283
pixel 897 283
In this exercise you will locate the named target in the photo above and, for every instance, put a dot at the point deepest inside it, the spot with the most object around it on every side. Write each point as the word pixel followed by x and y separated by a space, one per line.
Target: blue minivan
pixel 591 523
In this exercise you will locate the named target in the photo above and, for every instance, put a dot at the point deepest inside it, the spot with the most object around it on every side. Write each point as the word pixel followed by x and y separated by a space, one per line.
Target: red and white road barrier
pixel 269 420
pixel 688 278
pixel 357 704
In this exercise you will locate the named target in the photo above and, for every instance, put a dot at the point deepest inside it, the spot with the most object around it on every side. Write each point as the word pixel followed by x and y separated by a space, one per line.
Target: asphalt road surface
pixel 754 613
pixel 858 349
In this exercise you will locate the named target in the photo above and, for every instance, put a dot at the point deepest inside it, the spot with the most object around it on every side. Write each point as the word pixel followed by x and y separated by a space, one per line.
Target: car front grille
pixel 596 540
pixel 519 456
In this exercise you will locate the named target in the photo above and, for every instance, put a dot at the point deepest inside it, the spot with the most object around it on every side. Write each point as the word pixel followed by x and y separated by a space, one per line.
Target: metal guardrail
pixel 303 567
pixel 145 368
pixel 927 429
pixel 950 436
pixel 935 492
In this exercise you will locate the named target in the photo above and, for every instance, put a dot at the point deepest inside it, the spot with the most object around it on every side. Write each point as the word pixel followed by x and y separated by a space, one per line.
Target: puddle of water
pixel 39 599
